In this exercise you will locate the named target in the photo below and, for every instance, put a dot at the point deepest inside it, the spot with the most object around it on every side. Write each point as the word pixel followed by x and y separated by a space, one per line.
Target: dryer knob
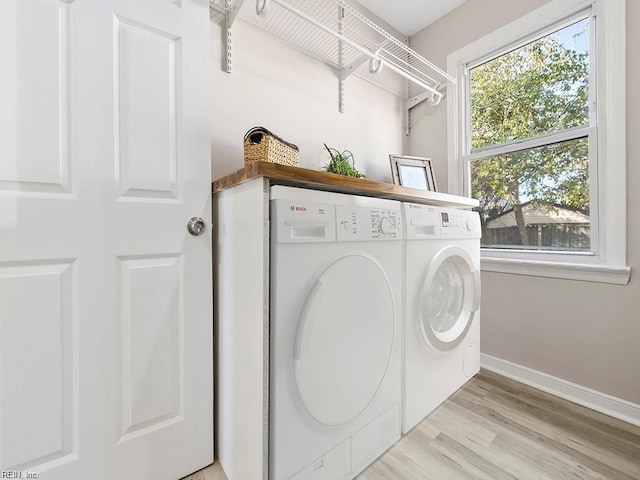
pixel 384 225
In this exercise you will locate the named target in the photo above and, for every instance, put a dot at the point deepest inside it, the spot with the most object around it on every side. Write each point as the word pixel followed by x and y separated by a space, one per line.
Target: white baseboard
pixel 598 401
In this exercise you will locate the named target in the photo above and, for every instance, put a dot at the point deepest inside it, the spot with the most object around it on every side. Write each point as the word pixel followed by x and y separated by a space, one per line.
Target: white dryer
pixel 441 334
pixel 335 323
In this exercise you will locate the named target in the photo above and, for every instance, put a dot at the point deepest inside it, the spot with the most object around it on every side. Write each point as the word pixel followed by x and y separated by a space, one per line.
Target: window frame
pixel 606 136
pixel 588 131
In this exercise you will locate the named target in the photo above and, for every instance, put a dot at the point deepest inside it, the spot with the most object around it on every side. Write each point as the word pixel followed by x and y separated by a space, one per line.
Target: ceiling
pixel 410 16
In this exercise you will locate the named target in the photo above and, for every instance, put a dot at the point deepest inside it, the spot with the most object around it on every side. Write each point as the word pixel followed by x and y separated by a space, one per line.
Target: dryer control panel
pixel 302 222
pixel 459 223
pixel 366 224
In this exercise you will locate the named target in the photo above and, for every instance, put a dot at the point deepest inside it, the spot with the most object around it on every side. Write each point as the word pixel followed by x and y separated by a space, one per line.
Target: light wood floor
pixel 497 429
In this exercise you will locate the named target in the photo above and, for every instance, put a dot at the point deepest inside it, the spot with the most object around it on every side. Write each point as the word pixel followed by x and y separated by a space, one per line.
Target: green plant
pixel 342 163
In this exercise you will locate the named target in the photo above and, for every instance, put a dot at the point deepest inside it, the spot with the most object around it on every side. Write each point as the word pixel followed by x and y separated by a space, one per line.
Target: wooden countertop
pixel 302 177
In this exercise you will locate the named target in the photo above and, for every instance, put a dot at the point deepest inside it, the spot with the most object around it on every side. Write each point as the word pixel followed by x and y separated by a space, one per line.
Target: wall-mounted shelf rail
pixel 340 34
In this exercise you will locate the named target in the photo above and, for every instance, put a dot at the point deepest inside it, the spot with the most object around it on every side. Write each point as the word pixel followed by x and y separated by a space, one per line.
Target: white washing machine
pixel 441 334
pixel 335 333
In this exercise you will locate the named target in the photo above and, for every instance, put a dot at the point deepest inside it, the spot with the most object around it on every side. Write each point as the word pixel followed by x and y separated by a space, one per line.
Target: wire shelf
pixel 217 10
pixel 339 34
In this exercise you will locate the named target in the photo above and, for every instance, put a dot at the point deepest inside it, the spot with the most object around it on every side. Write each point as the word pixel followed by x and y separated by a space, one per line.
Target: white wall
pixel 296 97
pixel 586 333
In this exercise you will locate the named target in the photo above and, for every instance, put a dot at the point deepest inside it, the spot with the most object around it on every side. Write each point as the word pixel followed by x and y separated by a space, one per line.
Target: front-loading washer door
pixel 344 339
pixel 448 299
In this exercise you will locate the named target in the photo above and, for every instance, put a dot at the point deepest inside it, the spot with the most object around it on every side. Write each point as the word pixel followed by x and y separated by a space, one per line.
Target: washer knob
pixel 470 225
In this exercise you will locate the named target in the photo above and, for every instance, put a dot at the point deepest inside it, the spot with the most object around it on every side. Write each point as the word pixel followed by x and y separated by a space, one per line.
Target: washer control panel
pixel 459 223
pixel 422 222
pixel 365 224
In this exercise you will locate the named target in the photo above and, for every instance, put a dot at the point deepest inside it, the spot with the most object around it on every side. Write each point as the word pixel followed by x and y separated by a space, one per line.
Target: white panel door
pixel 105 298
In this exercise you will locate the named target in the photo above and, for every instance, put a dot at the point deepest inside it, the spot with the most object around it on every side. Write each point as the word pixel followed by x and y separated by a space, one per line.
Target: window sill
pixel 568 271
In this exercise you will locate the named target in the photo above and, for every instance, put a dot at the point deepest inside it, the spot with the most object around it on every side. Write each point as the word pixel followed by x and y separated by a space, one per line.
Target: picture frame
pixel 413 172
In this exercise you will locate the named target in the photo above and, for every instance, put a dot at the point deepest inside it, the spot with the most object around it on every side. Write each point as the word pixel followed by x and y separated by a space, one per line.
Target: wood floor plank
pixel 417 446
pixel 470 461
pixel 576 421
pixel 459 428
pixel 553 439
pixel 521 421
pixel 495 428
pixel 606 423
pixel 214 472
pixel 597 453
pixel 510 460
pixel 196 476
pixel 530 455
pixel 395 465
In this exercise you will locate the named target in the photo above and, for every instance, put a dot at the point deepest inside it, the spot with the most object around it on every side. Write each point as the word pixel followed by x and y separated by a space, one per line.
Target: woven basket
pixel 261 144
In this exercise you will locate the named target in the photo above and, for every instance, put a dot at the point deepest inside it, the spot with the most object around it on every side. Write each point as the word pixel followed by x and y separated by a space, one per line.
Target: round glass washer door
pixel 448 299
pixel 344 340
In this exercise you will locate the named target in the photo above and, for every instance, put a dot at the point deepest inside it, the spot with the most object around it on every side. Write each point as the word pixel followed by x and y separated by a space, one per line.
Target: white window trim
pixel 609 265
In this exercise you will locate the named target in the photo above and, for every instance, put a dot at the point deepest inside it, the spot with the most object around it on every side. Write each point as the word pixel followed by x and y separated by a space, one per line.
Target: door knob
pixel 196 226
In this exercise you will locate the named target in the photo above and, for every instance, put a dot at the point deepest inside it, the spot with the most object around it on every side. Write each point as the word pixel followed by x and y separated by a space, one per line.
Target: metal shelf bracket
pixel 225 13
pixel 341 54
pixel 430 97
pixel 353 66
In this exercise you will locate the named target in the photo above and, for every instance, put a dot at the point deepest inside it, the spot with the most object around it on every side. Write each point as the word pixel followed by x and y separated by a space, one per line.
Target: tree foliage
pixel 537 89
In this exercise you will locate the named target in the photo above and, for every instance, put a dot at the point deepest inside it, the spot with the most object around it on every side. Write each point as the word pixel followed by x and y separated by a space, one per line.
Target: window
pixel 529 125
pixel 537 136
